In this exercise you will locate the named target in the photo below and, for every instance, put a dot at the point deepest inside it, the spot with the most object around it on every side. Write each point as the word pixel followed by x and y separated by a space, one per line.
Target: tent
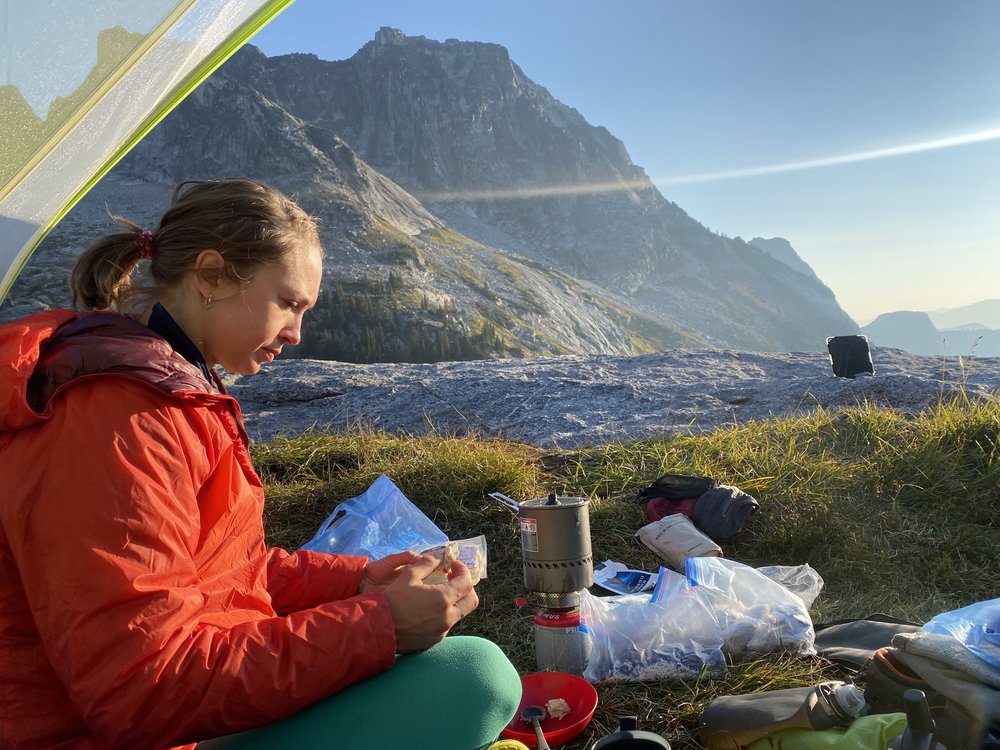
pixel 82 81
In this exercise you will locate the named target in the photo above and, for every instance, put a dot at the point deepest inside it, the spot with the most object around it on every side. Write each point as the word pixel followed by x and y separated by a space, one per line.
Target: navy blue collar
pixel 161 322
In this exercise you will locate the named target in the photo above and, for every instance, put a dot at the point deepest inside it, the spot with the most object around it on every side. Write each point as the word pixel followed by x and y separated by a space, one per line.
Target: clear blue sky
pixel 866 132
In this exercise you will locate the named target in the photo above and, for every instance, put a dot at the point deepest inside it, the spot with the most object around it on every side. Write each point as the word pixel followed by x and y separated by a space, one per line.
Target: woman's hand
pixel 423 614
pixel 381 573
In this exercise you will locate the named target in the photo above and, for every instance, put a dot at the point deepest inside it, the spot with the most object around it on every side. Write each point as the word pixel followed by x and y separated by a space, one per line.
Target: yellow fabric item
pixel 865 733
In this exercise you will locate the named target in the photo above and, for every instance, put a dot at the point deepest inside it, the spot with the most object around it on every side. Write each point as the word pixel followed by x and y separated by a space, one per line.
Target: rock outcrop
pixel 574 401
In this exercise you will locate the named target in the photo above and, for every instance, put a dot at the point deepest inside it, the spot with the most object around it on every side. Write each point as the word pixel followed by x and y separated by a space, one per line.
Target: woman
pixel 138 604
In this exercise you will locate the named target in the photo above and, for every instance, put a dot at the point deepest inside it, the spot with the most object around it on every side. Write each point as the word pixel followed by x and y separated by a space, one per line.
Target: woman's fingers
pixel 424 613
pixel 379 573
pixel 461 589
pixel 396 559
pixel 422 567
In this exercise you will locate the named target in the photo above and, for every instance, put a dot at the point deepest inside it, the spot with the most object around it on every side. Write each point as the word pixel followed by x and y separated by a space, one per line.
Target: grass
pixel 899 514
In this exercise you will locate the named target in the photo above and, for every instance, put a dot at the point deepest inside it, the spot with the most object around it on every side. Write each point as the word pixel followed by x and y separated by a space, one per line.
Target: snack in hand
pixel 447 553
pixel 472 552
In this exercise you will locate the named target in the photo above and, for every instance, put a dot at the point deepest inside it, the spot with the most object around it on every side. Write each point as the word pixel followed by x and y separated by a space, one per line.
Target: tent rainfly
pixel 82 81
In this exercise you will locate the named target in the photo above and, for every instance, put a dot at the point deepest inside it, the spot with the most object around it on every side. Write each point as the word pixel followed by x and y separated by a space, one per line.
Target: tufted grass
pixel 899 514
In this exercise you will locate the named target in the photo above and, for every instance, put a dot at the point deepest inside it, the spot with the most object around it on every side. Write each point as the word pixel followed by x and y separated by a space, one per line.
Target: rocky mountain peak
pixel 388 35
pixel 470 213
pixel 483 71
pixel 480 143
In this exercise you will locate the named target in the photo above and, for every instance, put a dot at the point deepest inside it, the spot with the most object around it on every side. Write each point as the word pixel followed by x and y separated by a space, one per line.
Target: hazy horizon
pixel 867 135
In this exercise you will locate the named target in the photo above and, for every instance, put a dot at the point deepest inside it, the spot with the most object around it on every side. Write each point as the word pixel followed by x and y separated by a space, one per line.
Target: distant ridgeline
pixel 465 212
pixel 916 332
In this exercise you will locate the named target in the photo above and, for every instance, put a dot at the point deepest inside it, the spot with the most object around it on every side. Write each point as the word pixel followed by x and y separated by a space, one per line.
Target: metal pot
pixel 627 737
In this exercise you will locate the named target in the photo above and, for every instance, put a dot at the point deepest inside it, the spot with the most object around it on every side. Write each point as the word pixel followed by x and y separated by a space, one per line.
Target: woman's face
pixel 247 324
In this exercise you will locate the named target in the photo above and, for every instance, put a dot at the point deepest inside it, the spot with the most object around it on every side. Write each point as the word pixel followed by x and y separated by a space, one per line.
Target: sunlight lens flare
pixel 536 191
pixel 832 161
pixel 624 185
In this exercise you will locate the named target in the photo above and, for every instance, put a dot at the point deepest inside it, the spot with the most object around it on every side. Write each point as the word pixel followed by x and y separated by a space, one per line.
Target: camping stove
pixel 555 549
pixel 558 565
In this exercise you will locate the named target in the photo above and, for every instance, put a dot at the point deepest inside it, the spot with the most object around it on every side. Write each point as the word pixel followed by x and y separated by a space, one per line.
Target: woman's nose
pixel 292 334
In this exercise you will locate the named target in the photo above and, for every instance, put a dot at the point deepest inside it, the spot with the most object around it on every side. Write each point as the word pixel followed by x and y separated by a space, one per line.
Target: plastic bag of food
pixel 635 638
pixel 756 615
pixel 621 579
pixel 802 580
pixel 674 538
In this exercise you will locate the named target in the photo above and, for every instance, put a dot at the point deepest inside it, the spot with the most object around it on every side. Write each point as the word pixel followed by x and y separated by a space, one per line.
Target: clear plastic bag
pixel 634 638
pixel 756 615
pixel 977 627
pixel 472 552
pixel 377 523
pixel 801 580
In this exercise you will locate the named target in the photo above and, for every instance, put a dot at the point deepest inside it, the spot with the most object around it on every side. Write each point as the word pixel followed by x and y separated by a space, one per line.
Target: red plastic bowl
pixel 539 687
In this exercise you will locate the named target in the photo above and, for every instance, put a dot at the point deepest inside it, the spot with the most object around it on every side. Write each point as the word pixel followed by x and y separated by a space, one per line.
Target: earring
pixel 208 301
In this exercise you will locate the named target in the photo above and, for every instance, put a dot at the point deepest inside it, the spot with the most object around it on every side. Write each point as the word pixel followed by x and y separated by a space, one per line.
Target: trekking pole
pixel 919 734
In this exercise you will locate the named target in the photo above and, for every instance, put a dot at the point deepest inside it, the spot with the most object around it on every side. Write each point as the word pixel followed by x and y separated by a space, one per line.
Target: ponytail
pixel 102 274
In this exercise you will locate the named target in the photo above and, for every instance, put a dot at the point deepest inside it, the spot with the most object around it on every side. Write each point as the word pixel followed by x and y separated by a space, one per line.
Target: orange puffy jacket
pixel 139 607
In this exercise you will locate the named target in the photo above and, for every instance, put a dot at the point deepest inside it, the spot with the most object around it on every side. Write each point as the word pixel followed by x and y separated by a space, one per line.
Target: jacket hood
pixel 41 353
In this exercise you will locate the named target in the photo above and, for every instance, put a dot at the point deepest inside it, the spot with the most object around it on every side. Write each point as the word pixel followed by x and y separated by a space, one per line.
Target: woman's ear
pixel 210 274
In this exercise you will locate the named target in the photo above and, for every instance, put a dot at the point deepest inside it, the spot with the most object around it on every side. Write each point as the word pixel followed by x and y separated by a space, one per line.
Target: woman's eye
pixel 291 304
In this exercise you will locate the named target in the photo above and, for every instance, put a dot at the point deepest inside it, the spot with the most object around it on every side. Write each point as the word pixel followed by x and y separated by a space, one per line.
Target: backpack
pixel 850 356
pixel 886 678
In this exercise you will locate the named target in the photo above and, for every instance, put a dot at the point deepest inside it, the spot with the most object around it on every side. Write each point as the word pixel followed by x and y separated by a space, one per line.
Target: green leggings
pixel 457 695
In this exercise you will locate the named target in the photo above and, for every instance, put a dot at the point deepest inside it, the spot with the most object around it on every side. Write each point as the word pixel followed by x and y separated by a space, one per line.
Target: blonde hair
pixel 247 222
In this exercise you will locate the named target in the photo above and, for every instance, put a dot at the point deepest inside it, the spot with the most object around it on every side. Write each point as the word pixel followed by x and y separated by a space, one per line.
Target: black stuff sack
pixel 850 356
pixel 721 512
pixel 677 487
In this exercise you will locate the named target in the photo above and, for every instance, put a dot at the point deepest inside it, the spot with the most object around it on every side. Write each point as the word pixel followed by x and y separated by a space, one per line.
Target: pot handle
pixel 504 500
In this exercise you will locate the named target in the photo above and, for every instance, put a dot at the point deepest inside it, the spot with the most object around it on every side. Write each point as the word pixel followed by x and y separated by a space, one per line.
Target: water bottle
pixel 739 720
pixel 848 701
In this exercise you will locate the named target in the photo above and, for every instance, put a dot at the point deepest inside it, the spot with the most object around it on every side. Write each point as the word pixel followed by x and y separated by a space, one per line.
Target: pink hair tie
pixel 144 242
